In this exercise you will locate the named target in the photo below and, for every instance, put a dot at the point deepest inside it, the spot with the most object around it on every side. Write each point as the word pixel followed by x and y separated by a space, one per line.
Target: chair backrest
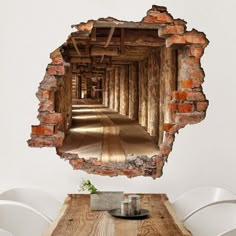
pixel 192 201
pixel 5 233
pixel 212 220
pixel 231 232
pixel 35 198
pixel 22 220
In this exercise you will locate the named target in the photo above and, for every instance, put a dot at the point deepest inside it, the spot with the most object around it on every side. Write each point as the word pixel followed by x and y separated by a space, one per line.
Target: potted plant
pixel 101 200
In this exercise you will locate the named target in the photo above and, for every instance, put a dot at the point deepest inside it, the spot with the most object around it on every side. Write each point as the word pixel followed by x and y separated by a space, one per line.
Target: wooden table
pixel 76 219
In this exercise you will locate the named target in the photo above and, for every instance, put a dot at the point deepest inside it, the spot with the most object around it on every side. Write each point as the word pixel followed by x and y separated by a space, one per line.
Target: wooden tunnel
pixel 116 93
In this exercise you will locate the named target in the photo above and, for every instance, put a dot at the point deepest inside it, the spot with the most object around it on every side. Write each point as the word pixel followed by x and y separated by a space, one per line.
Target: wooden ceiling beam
pixel 128 25
pixel 100 51
pixel 129 41
pixel 112 30
pixel 81 60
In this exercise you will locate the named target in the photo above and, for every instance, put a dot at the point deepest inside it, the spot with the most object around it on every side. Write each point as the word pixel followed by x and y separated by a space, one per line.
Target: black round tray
pixel 116 212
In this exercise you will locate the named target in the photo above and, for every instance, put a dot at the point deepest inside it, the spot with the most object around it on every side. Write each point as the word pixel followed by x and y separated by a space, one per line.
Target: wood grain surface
pixel 101 133
pixel 76 218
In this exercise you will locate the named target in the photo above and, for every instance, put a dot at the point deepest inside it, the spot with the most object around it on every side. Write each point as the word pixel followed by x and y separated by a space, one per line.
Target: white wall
pixel 203 154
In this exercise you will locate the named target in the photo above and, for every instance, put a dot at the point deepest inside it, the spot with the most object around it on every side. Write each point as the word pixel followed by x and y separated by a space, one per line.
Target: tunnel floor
pixel 99 132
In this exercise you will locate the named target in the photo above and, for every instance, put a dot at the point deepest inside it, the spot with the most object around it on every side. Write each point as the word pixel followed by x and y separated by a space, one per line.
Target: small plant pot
pixel 104 201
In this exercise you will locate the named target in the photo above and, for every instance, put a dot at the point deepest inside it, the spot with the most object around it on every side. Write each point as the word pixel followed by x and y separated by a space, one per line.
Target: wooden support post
pixel 133 92
pixel 143 92
pixel 117 89
pixel 79 86
pixel 124 90
pixel 153 94
pixel 105 89
pixel 111 89
pixel 168 83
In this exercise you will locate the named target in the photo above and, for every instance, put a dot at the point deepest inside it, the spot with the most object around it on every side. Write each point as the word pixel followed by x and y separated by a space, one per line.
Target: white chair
pixel 213 220
pixel 22 220
pixel 37 199
pixel 231 232
pixel 5 233
pixel 194 200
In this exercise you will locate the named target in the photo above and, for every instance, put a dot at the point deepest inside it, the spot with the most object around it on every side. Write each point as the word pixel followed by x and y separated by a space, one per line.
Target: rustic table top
pixel 76 218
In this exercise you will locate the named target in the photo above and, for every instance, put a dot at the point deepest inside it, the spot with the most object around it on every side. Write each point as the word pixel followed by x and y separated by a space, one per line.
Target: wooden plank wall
pixel 124 90
pixel 153 94
pixel 143 90
pixel 111 88
pixel 117 89
pixel 106 89
pixel 133 91
pixel 79 86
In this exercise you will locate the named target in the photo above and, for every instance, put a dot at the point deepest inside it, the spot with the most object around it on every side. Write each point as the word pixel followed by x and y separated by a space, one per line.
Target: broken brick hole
pixel 117 92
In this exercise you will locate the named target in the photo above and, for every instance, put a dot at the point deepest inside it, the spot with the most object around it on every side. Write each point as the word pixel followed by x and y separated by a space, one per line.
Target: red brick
pixel 55 69
pixel 50 118
pixel 179 22
pixel 176 128
pixel 175 40
pixel 164 149
pixel 195 37
pixel 56 56
pixel 46 94
pixel 195 96
pixel 201 106
pixel 191 61
pixel 97 163
pixel 196 51
pixel 112 172
pixel 46 106
pixel 77 163
pixel 41 141
pixel 46 140
pixel 196 73
pixel 42 129
pixel 57 60
pixel 185 107
pixel 169 139
pixel 186 83
pixel 49 82
pixel 55 53
pixel 170 30
pixel 172 107
pixel 131 173
pixel 193 118
pixel 158 17
pixel 197 82
pixel 167 126
pixel 177 95
pixel 58 139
